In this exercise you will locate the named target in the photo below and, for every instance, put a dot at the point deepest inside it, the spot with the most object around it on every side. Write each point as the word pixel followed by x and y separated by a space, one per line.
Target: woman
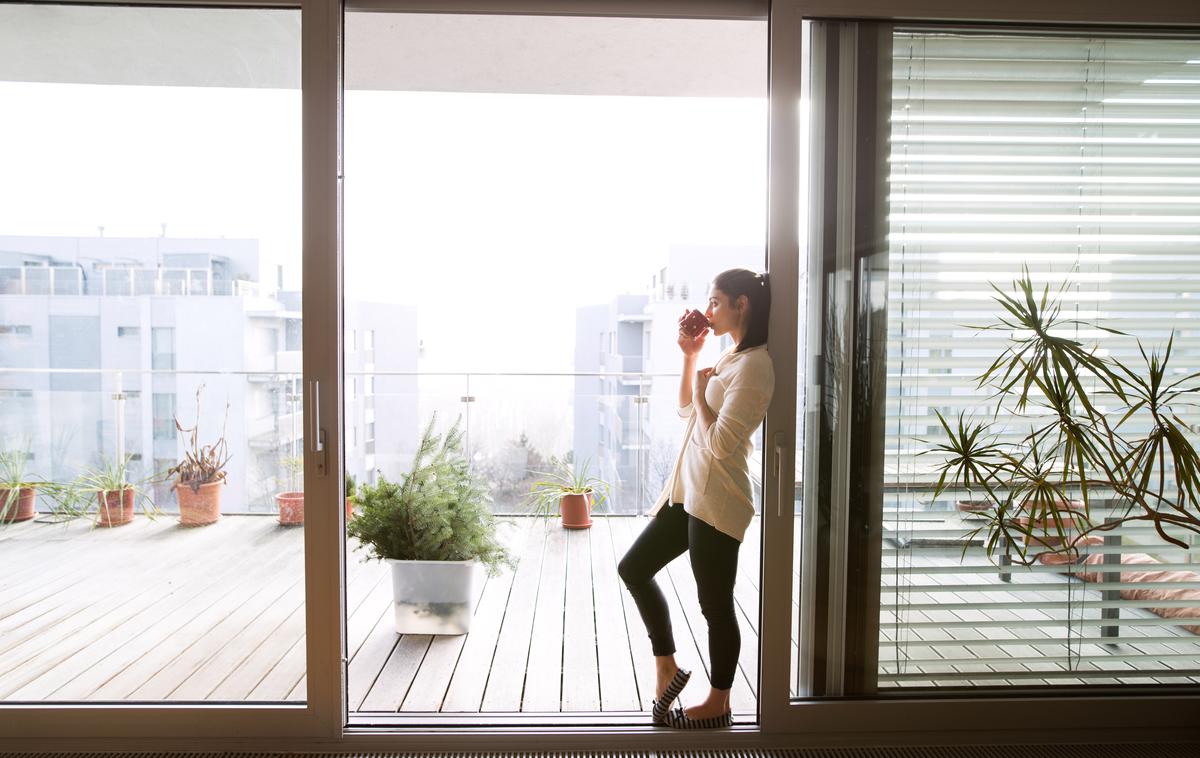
pixel 706 505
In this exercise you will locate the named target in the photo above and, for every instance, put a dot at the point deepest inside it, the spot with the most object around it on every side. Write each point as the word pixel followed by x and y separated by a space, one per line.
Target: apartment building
pixel 108 339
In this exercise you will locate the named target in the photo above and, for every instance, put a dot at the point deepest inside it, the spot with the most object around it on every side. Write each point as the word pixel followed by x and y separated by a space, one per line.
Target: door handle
pixel 316 439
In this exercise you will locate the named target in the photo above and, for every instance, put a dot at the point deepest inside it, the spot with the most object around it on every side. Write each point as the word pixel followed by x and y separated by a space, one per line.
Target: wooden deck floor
pixel 152 612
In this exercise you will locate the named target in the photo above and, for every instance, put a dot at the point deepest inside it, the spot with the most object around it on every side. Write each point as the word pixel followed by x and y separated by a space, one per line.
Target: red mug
pixel 693 323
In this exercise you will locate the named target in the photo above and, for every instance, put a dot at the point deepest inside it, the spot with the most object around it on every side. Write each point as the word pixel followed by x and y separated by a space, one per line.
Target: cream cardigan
pixel 711 475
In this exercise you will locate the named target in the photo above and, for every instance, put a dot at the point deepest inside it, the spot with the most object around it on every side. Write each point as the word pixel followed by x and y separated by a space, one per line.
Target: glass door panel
pixel 1071 160
pixel 532 202
pixel 150 321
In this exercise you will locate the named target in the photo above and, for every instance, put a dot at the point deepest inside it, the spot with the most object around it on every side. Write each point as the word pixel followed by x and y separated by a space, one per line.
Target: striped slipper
pixel 677 719
pixel 660 709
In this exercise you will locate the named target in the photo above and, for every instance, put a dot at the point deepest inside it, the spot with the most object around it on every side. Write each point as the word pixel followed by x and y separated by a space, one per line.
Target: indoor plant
pixel 434 528
pixel 569 492
pixel 18 495
pixel 107 494
pixel 199 476
pixel 1097 429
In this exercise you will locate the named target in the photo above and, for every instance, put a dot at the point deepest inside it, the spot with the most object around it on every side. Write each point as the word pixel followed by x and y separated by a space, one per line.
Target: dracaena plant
pixel 1071 426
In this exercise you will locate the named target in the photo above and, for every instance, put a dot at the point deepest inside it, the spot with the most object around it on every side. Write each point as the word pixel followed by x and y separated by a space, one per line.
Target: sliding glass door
pixel 152 523
pixel 532 203
pixel 971 190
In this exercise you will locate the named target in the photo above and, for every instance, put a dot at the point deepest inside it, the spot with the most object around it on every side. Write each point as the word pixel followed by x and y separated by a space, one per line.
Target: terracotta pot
pixel 576 511
pixel 116 507
pixel 1045 530
pixel 20 507
pixel 199 507
pixel 291 508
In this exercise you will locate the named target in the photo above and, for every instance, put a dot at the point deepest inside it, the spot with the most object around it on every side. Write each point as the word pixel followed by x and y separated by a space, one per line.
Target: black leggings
pixel 714 564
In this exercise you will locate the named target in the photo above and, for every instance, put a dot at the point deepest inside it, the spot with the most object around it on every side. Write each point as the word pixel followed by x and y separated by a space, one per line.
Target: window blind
pixel 1079 158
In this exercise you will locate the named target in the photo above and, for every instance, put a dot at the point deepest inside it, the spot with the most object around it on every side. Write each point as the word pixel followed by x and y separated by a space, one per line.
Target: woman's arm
pixel 705 415
pixel 685 380
pixel 746 399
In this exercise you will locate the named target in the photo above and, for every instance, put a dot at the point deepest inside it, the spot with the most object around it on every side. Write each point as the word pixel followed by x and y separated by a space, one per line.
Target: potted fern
pixel 435 530
pixel 201 473
pixel 567 492
pixel 1072 425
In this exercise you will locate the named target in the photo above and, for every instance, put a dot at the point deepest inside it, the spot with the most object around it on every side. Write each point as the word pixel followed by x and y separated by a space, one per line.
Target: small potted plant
pixel 201 473
pixel 568 492
pixel 351 489
pixel 108 494
pixel 291 503
pixel 18 495
pixel 435 530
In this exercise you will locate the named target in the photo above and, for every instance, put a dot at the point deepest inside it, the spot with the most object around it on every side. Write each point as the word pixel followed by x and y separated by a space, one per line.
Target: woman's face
pixel 723 313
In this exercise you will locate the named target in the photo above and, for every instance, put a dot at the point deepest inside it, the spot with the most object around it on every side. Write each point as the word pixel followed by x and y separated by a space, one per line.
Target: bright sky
pixel 504 210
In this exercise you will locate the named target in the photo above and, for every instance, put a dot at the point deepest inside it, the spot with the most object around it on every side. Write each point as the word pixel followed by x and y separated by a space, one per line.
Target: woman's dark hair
pixel 739 281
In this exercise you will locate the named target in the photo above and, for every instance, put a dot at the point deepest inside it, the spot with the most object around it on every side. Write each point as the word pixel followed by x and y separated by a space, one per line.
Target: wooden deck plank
pixel 99 602
pixel 618 689
pixel 467 684
pixel 274 640
pixel 397 676
pixel 158 671
pixel 506 680
pixel 622 532
pixel 543 677
pixel 375 605
pixel 204 666
pixel 283 680
pixel 581 671
pixel 61 569
pixel 371 656
pixel 75 677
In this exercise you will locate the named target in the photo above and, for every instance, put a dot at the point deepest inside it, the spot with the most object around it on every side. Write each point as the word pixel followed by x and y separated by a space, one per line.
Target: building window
pixel 368 339
pixel 352 388
pixel 350 346
pixel 129 331
pixel 369 387
pixel 162 348
pixel 164 416
pixel 17 331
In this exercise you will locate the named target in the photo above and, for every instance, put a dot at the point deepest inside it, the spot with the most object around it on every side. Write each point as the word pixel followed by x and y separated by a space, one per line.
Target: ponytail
pixel 739 281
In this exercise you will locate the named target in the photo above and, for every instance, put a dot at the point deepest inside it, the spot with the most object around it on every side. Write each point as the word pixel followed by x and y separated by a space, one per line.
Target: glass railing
pixel 623 426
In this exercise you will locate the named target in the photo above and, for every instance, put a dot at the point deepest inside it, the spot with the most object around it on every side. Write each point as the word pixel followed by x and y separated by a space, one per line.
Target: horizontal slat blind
pixel 1081 159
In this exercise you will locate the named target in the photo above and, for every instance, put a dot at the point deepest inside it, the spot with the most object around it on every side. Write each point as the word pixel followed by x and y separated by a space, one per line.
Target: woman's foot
pixel 705 711
pixel 714 706
pixel 678 719
pixel 667 694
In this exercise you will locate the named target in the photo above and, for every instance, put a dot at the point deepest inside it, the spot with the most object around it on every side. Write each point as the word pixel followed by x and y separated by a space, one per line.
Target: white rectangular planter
pixel 434 597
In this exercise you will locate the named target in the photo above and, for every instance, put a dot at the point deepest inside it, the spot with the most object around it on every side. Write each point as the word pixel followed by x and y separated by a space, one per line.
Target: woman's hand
pixel 700 385
pixel 690 346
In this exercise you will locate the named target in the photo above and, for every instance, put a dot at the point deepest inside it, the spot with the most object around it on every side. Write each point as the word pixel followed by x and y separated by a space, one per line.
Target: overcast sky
pixel 512 209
